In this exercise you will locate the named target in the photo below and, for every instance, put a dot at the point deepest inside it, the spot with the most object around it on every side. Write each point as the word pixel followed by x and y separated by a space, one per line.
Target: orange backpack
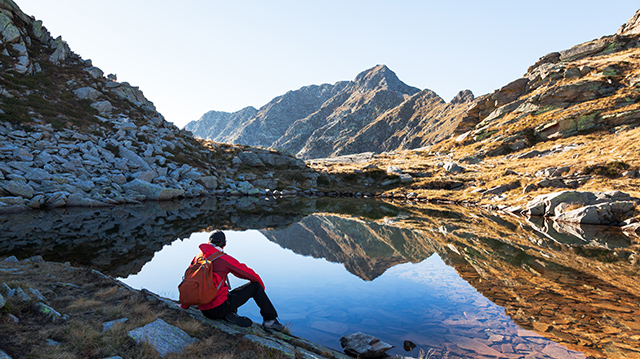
pixel 200 283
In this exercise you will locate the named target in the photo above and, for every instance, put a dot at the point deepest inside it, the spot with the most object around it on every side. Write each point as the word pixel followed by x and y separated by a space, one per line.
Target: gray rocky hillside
pixel 69 136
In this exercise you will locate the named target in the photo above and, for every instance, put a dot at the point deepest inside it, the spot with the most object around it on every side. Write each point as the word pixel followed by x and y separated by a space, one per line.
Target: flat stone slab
pixel 165 338
pixel 286 349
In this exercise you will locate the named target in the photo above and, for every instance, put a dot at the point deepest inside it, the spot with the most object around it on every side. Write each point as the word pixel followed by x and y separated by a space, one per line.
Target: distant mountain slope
pixel 314 121
pixel 215 125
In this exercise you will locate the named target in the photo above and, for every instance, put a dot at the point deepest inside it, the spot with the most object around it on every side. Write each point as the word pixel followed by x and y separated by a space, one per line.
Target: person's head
pixel 217 238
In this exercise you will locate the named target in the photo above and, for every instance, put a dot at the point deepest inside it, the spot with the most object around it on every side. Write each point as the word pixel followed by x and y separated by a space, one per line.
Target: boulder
pixel 544 205
pixel 133 158
pixel 10 32
pixel 364 346
pixel 152 191
pixel 250 159
pixel 18 188
pixel 452 167
pixel 406 178
pixel 209 182
pixel 87 93
pixel 612 213
pixel 394 170
pixel 163 337
pixel 103 107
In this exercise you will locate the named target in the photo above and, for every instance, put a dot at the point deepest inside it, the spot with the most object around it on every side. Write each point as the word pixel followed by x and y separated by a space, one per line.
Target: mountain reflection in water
pixel 575 285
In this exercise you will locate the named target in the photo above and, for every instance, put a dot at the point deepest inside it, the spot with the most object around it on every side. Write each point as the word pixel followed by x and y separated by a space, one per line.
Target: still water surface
pixel 424 302
pixel 463 282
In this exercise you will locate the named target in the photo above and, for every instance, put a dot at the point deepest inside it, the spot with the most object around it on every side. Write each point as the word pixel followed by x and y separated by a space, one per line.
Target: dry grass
pixel 603 157
pixel 91 300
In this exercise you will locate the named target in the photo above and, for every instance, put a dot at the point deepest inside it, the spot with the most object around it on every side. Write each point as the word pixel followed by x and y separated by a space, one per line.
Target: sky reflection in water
pixel 425 302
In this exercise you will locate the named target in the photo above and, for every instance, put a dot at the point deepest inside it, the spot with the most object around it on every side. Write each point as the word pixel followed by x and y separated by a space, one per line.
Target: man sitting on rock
pixel 226 303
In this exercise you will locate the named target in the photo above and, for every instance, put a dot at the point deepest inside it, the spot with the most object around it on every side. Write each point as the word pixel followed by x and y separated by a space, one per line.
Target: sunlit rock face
pixel 344 118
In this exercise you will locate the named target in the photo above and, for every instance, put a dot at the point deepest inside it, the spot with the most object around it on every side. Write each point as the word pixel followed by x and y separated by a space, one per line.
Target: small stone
pixel 408 345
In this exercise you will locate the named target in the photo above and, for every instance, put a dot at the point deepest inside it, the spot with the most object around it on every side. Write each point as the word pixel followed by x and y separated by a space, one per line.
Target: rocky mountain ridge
pixel 325 124
pixel 69 136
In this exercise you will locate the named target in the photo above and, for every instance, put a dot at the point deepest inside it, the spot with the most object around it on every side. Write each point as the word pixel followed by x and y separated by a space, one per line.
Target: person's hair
pixel 217 238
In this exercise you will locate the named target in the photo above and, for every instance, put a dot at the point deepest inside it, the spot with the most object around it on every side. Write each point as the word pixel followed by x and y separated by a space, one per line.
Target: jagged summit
pixel 380 77
pixel 463 96
pixel 632 26
pixel 317 120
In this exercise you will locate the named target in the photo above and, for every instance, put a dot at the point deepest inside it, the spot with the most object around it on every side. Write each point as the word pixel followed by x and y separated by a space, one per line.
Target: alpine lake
pixel 458 282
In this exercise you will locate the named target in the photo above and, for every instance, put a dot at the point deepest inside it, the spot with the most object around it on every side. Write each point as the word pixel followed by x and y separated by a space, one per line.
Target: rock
pixel 632 26
pixel 250 159
pixel 10 32
pixel 452 167
pixel 165 338
pixel 605 214
pixel 36 293
pixel 18 188
pixel 87 93
pixel 285 348
pixel 364 346
pixel 405 178
pixel 209 182
pixel 502 188
pixel 146 176
pixel 11 259
pixel 48 312
pixel 21 295
pixel 61 52
pixel 108 325
pixel 133 158
pixel 103 107
pixel 394 170
pixel 529 154
pixel 544 205
pixel 408 345
pixel 152 191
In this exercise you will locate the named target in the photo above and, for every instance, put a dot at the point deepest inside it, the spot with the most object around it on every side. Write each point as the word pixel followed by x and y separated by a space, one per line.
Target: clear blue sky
pixel 193 56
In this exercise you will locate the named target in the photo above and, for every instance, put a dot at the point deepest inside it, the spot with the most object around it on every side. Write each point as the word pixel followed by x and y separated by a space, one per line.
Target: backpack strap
pixel 213 257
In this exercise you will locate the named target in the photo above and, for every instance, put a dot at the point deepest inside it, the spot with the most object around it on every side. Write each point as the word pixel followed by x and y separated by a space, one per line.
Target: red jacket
pixel 224 265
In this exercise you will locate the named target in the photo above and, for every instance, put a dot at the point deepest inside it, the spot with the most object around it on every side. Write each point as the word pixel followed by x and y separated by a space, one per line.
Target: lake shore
pixel 61 311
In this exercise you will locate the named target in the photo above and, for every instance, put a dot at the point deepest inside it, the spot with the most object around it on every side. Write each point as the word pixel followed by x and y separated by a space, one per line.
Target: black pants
pixel 241 295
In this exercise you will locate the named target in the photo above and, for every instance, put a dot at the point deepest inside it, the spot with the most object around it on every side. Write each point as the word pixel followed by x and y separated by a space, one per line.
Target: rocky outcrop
pixel 606 208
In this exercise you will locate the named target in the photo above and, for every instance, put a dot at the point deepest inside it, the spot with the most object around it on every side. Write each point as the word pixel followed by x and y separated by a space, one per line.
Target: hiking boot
pixel 238 320
pixel 273 325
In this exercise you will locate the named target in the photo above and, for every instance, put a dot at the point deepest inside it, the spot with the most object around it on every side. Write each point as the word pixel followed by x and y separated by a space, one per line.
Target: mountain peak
pixel 380 77
pixel 631 27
